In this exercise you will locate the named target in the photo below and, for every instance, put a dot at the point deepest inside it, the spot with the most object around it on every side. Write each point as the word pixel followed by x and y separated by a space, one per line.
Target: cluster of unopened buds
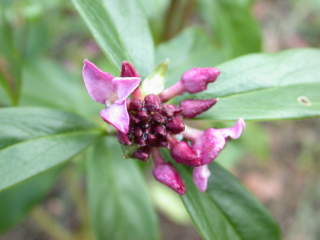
pixel 149 122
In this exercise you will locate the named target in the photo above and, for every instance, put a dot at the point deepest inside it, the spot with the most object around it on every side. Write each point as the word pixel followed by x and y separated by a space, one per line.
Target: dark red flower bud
pixel 194 107
pixel 160 130
pixel 123 138
pixel 135 105
pixel 143 115
pixel 142 154
pixel 152 139
pixel 138 132
pixel 127 70
pixel 152 103
pixel 168 175
pixel 183 153
pixel 170 110
pixel 157 117
pixel 175 125
pixel 196 79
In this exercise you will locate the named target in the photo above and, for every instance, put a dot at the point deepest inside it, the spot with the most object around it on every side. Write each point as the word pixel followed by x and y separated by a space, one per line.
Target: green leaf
pixel 33 140
pixel 16 202
pixel 266 86
pixel 56 88
pixel 235 30
pixel 191 48
pixel 121 29
pixel 227 210
pixel 120 207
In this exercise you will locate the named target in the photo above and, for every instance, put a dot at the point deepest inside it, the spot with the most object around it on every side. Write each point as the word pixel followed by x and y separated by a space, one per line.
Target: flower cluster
pixel 149 122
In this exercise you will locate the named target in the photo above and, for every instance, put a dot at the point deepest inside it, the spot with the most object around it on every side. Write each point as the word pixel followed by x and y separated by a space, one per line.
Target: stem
pixel 171 92
pixel 157 158
pixel 50 225
pixel 77 196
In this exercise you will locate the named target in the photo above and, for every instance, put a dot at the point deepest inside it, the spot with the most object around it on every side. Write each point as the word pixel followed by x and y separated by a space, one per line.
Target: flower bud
pixel 158 117
pixel 168 175
pixel 123 138
pixel 175 125
pixel 135 105
pixel 170 110
pixel 160 130
pixel 183 153
pixel 194 107
pixel 127 70
pixel 142 154
pixel 152 103
pixel 196 79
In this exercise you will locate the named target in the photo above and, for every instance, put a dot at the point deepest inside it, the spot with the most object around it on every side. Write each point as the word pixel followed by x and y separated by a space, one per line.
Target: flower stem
pixel 50 225
pixel 171 92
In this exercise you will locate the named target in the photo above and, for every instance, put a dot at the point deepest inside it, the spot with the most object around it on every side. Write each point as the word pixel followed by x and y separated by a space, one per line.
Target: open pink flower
pixel 111 91
pixel 207 145
pixel 210 142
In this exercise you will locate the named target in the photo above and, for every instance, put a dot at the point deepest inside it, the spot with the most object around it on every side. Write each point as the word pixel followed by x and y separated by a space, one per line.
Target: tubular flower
pixel 111 91
pixel 147 122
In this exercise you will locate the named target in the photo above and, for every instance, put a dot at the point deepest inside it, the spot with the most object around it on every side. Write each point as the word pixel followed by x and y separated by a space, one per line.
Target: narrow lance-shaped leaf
pixel 119 205
pixel 267 86
pixel 33 140
pixel 16 202
pixel 121 29
pixel 226 210
pixel 235 30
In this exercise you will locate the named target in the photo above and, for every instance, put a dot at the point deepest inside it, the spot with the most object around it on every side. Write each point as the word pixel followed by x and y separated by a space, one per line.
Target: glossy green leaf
pixel 267 86
pixel 16 202
pixel 121 29
pixel 120 207
pixel 227 210
pixel 191 48
pixel 33 140
pixel 234 29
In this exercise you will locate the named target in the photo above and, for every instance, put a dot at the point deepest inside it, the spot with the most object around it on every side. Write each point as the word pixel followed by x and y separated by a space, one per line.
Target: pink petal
pixel 117 115
pixel 209 144
pixel 125 86
pixel 200 177
pixel 97 82
pixel 168 175
pixel 212 141
pixel 235 131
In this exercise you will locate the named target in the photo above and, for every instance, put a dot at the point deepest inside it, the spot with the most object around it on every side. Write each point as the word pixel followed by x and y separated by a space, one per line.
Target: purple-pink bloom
pixel 211 141
pixel 168 175
pixel 193 107
pixel 200 176
pixel 111 91
pixel 196 79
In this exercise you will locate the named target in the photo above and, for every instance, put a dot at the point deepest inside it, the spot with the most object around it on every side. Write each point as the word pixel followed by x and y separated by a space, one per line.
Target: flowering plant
pixel 175 120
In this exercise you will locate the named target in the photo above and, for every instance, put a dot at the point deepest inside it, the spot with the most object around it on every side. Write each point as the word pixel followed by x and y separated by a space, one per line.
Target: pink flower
pixel 210 142
pixel 165 173
pixel 111 91
pixel 192 81
pixel 196 79
pixel 193 107
pixel 207 145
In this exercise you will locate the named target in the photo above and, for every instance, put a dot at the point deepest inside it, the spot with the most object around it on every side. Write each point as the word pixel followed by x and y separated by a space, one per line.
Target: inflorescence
pixel 149 122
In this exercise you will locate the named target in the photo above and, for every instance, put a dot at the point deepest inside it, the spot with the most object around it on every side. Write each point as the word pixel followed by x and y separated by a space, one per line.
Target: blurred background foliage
pixel 42 44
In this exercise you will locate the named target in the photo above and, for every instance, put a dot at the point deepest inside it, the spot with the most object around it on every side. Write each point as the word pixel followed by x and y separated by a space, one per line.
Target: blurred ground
pixel 288 182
